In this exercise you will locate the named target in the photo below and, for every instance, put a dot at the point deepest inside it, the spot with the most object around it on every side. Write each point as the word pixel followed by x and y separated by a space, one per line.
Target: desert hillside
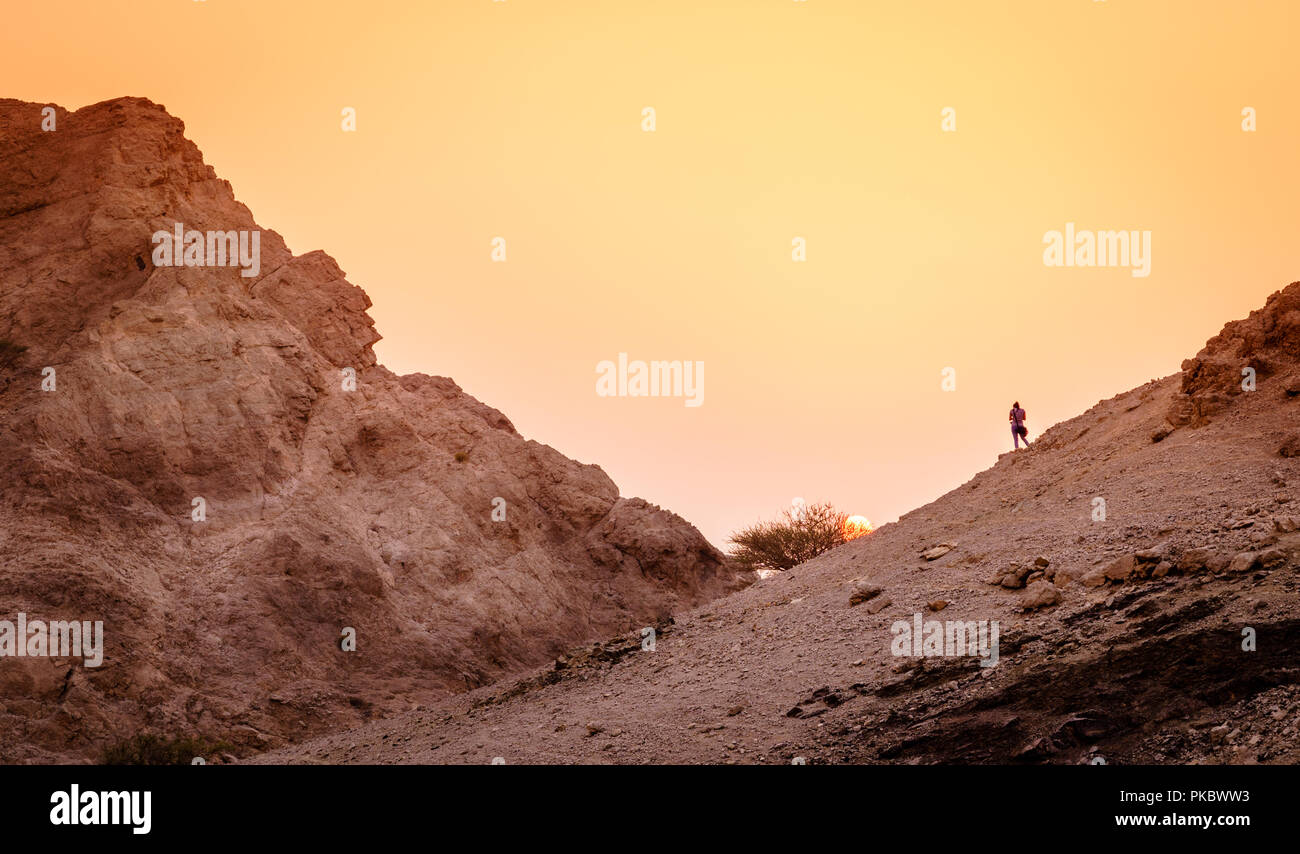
pixel 1167 631
pixel 207 458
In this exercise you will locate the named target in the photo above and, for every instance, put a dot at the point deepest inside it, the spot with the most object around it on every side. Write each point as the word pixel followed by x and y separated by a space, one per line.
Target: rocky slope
pixel 325 507
pixel 1166 630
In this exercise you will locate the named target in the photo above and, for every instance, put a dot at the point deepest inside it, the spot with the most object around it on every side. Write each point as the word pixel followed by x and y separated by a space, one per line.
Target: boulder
pixel 1152 555
pixel 1094 578
pixel 1272 558
pixel 1120 568
pixel 1012 577
pixel 1040 594
pixel 862 590
pixel 1193 560
pixel 1244 562
pixel 1062 576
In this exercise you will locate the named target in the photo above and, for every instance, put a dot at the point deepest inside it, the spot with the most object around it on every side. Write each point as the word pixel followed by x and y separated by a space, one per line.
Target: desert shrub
pixel 148 749
pixel 798 535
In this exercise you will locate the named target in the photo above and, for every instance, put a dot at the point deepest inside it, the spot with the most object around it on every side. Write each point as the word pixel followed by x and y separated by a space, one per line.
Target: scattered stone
pixel 862 591
pixel 1272 558
pixel 1162 432
pixel 1193 560
pixel 875 606
pixel 1094 578
pixel 1152 555
pixel 735 710
pixel 1244 562
pixel 1290 446
pixel 1036 750
pixel 1120 568
pixel 1182 410
pixel 938 551
pixel 938 605
pixel 1060 576
pixel 1042 562
pixel 1040 594
pixel 1013 577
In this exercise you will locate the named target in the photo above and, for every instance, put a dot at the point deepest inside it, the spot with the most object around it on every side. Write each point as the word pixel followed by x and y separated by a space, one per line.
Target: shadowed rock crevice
pixel 1066 712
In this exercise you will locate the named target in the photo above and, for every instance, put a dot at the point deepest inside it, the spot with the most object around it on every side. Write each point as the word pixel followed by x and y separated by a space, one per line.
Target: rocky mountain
pixel 199 449
pixel 1141 563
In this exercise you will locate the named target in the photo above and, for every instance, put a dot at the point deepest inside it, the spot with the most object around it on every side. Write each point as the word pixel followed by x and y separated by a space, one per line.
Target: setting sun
pixel 857 526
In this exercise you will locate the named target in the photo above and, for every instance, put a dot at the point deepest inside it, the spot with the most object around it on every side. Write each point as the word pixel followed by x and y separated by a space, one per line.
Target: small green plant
pixel 149 749
pixel 798 535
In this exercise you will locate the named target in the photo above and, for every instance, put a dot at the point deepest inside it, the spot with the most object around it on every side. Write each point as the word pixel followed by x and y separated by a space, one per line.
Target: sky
pixel 921 151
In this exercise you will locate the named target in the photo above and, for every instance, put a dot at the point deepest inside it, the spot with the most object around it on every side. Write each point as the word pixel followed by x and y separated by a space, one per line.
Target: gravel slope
pixel 1145 665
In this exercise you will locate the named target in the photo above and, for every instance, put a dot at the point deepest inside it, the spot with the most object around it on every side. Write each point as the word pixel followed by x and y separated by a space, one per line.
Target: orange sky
pixel 775 119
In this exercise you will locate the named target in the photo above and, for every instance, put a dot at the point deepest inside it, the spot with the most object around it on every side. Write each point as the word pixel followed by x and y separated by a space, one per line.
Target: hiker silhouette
pixel 1019 431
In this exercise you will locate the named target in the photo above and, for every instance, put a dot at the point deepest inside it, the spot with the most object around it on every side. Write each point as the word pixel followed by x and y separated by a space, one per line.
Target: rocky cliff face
pixel 209 460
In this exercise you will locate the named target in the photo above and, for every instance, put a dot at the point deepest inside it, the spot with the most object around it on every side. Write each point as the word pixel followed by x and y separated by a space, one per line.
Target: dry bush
pixel 798 535
pixel 149 749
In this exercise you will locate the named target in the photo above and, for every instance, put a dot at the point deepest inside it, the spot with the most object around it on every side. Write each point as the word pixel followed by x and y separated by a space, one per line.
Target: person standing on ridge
pixel 1018 429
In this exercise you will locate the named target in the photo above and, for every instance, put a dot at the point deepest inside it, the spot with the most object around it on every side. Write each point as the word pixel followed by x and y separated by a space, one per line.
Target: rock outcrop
pixel 1254 354
pixel 210 460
